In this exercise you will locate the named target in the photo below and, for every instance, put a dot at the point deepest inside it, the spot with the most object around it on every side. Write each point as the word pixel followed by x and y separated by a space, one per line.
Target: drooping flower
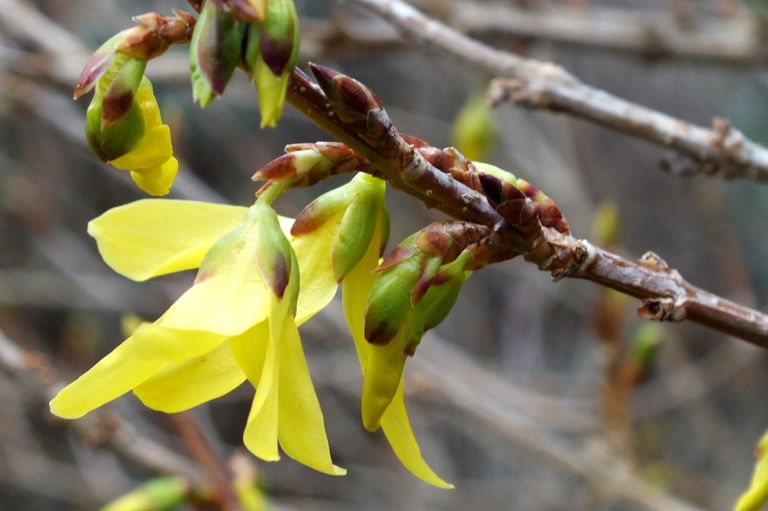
pixel 413 291
pixel 340 237
pixel 235 322
pixel 123 123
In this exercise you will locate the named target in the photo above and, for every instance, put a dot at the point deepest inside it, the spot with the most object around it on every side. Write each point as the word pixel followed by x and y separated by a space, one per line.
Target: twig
pixel 365 127
pixel 201 450
pixel 723 150
pixel 650 34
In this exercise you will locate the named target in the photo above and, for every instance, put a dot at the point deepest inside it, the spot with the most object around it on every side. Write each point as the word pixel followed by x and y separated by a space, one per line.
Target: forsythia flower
pixel 343 234
pixel 756 496
pixel 235 322
pixel 123 123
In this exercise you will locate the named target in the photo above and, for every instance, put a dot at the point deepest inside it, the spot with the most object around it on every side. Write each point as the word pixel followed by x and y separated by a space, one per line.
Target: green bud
pixel 358 208
pixel 358 224
pixel 442 294
pixel 114 123
pixel 389 301
pixel 162 494
pixel 272 50
pixel 645 343
pixel 214 52
pixel 606 224
pixel 475 129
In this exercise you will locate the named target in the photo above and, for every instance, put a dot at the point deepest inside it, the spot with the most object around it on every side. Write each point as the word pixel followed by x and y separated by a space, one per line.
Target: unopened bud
pixel 214 52
pixel 475 130
pixel 272 49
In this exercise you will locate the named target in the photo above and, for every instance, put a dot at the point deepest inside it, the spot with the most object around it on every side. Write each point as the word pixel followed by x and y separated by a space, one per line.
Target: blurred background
pixel 531 395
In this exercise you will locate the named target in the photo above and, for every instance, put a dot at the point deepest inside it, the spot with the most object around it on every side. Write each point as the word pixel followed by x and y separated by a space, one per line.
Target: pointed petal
pixel 154 237
pixel 183 385
pixel 250 351
pixel 255 353
pixel 318 281
pixel 125 367
pixel 397 429
pixel 300 428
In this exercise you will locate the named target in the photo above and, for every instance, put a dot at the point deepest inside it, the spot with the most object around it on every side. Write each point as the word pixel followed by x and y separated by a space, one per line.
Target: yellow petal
pixel 154 237
pixel 183 385
pixel 318 282
pixel 397 429
pixel 255 353
pixel 153 149
pixel 157 180
pixel 225 303
pixel 383 372
pixel 300 427
pixel 394 422
pixel 125 367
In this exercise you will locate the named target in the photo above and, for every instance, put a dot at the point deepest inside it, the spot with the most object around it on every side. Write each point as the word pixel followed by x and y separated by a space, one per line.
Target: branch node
pixel 663 309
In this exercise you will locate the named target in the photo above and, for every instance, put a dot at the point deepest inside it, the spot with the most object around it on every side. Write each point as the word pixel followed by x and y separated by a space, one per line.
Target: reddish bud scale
pixel 155 33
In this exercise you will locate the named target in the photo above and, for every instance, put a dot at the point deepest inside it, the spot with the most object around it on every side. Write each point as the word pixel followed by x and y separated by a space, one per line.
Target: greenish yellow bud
pixel 606 224
pixel 214 52
pixel 475 129
pixel 645 343
pixel 271 52
pixel 162 494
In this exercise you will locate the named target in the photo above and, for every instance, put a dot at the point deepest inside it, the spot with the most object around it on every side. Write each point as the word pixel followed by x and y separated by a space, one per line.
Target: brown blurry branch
pixel 721 150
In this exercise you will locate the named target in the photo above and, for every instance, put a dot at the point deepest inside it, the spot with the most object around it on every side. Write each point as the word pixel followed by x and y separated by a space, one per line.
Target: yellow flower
pixel 235 322
pixel 151 163
pixel 342 218
pixel 756 496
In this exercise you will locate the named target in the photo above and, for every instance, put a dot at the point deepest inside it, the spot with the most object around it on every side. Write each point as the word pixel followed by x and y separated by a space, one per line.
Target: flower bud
pixel 475 130
pixel 214 52
pixel 356 210
pixel 272 49
pixel 155 495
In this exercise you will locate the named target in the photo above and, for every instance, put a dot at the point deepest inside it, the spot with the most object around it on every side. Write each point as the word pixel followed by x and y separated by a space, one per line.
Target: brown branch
pixel 349 111
pixel 203 452
pixel 722 151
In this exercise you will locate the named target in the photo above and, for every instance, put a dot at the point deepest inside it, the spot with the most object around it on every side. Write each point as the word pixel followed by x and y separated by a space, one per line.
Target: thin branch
pixel 722 150
pixel 203 452
pixel 364 126
pixel 651 34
